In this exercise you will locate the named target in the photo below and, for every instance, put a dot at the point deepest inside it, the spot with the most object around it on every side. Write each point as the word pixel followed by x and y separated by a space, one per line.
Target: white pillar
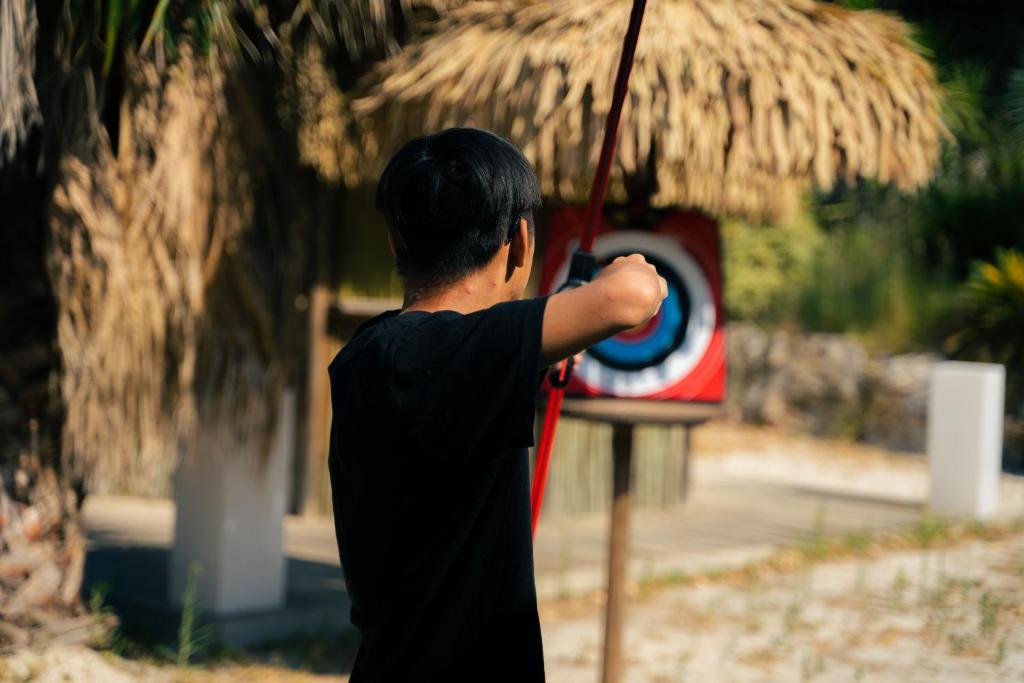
pixel 965 437
pixel 230 514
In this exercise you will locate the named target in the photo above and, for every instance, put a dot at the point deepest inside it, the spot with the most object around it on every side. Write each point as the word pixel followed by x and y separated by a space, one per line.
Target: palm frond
pixel 19 103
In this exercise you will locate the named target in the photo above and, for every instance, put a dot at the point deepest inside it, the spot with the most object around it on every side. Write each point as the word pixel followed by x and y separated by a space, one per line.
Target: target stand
pixel 671 370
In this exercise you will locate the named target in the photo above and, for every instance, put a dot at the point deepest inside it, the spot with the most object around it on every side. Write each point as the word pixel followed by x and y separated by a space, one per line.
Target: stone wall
pixel 828 385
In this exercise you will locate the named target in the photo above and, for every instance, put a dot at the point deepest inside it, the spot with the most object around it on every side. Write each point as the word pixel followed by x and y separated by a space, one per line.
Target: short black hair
pixel 451 200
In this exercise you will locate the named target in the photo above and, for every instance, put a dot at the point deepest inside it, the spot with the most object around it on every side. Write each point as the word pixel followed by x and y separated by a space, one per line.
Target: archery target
pixel 679 353
pixel 655 356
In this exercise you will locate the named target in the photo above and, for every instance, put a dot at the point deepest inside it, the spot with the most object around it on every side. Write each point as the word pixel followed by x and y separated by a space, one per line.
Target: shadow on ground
pixel 311 631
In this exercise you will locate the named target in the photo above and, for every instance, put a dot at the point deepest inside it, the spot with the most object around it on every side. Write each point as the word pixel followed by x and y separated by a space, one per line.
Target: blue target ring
pixel 665 333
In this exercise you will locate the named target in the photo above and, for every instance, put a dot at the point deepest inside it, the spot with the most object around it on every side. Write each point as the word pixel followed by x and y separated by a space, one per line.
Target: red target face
pixel 680 353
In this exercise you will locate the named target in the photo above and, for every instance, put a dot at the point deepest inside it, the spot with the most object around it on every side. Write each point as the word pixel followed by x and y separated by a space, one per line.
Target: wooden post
pixel 318 417
pixel 687 449
pixel 623 414
pixel 318 388
pixel 618 550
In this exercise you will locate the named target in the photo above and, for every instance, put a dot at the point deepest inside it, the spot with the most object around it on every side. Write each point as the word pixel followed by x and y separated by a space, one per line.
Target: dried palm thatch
pixel 19 105
pixel 363 26
pixel 138 238
pixel 734 106
pixel 310 98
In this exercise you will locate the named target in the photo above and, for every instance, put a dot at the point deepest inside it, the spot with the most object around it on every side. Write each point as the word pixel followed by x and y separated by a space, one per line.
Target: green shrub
pixel 991 321
pixel 767 267
pixel 867 281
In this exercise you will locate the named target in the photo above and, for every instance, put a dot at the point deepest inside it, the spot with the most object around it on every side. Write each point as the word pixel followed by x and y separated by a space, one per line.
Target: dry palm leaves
pixel 364 26
pixel 137 240
pixel 19 105
pixel 734 106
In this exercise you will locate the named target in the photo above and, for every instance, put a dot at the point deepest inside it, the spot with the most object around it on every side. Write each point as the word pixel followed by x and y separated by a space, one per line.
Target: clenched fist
pixel 632 280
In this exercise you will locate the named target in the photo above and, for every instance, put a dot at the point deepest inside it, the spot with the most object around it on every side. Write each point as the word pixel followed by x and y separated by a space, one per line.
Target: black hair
pixel 451 200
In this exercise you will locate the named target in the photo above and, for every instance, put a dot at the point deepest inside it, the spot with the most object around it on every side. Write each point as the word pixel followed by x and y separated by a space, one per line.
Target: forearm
pixel 579 318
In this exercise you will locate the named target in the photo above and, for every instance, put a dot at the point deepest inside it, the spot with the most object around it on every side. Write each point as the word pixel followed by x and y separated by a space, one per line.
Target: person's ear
pixel 519 249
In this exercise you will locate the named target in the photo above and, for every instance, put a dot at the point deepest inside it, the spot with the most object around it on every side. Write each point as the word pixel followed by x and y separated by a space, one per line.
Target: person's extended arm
pixel 626 293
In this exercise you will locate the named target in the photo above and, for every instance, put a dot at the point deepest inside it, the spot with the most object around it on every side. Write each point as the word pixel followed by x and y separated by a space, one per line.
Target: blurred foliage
pixel 113 25
pixel 105 33
pixel 767 268
pixel 869 279
pixel 1015 103
pixel 102 30
pixel 990 322
pixel 890 267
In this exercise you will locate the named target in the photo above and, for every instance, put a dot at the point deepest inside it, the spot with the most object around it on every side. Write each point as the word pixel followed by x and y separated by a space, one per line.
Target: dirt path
pixel 951 615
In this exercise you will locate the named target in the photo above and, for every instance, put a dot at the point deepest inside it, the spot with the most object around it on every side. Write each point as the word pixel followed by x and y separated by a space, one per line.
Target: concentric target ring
pixel 654 341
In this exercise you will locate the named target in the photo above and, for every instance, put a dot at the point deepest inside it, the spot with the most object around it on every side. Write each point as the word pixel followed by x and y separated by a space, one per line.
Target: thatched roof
pixel 735 105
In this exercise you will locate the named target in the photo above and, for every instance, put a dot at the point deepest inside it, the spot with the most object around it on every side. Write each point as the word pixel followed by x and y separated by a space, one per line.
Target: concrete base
pixel 965 438
pixel 228 528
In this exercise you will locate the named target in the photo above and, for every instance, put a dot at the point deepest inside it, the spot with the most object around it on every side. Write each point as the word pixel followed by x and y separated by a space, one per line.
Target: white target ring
pixel 699 326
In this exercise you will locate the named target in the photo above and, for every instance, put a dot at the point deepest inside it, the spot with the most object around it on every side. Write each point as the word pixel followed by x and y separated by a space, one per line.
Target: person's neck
pixel 473 293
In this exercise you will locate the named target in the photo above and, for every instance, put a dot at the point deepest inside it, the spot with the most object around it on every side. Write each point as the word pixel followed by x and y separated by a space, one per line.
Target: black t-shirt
pixel 433 415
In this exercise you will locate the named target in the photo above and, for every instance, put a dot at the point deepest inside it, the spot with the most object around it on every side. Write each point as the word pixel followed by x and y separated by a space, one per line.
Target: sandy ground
pixel 78 663
pixel 950 615
pixel 947 615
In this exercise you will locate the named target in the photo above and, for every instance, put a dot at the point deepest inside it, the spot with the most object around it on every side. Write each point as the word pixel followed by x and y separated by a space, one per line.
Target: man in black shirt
pixel 433 411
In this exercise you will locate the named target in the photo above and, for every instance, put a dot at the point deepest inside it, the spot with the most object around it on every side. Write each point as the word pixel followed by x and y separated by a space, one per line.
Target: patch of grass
pixel 98 593
pixel 811 667
pixel 315 652
pixel 929 533
pixel 675 576
pixel 899 586
pixel 818 545
pixel 716 574
pixel 859 541
pixel 107 630
pixel 1000 655
pixel 193 639
pixel 989 608
pixel 977 527
pixel 755 608
pixel 930 529
pixel 791 619
pixel 941 603
pixel 960 643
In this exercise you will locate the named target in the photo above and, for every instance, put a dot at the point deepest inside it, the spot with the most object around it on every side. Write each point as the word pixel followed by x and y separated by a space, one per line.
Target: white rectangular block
pixel 965 437
pixel 229 520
